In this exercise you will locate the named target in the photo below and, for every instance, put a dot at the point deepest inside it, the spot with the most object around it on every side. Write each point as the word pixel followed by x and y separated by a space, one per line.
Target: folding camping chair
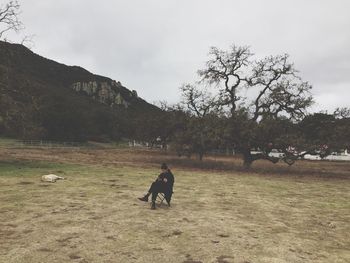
pixel 164 196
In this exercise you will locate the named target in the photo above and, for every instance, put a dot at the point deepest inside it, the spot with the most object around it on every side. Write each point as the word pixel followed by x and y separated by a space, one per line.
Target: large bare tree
pixel 277 91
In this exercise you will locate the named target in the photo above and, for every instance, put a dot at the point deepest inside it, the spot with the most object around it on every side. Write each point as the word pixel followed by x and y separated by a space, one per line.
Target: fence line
pixel 52 143
pixel 43 144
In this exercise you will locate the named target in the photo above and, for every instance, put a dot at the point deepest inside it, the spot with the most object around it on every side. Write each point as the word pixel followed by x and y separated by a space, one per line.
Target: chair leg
pixel 160 198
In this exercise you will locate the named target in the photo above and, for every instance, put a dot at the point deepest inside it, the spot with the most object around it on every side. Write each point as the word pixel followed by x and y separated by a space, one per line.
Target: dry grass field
pixel 219 212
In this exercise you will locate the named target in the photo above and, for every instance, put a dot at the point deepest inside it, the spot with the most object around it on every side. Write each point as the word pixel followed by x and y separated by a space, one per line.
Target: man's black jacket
pixel 170 179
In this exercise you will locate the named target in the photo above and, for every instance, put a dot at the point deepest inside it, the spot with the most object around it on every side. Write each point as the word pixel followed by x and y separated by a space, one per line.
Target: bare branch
pixel 28 41
pixel 225 68
pixel 9 20
pixel 280 88
pixel 199 102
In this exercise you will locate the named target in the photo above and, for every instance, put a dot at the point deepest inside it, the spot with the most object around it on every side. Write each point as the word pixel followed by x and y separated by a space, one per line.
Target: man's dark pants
pixel 158 187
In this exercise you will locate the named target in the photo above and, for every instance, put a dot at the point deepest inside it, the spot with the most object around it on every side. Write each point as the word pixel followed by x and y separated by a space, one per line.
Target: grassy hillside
pixel 37 100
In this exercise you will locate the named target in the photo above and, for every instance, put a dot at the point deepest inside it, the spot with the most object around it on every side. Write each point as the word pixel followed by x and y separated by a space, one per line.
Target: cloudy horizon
pixel 154 46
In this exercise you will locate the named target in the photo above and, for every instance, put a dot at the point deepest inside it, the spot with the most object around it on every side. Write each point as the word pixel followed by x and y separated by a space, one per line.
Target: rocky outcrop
pixel 111 93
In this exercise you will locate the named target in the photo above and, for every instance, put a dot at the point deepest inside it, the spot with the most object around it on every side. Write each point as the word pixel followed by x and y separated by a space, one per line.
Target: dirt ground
pixel 219 212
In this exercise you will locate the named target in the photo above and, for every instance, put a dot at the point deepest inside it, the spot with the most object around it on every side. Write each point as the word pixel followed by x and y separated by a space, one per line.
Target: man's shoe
pixel 153 206
pixel 144 199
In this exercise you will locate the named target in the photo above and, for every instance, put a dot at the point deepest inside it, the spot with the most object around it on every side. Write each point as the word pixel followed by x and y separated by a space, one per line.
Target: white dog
pixel 52 178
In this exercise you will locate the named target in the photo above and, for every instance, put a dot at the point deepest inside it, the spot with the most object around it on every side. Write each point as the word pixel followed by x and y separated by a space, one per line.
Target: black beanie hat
pixel 164 166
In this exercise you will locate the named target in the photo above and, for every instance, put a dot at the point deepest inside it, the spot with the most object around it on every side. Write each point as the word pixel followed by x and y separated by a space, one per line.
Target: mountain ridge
pixel 40 96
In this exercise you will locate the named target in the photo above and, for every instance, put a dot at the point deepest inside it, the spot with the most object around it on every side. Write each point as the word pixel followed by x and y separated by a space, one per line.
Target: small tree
pixel 9 18
pixel 279 92
pixel 201 132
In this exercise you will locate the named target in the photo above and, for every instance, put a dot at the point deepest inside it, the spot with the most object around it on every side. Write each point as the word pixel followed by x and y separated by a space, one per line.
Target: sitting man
pixel 163 184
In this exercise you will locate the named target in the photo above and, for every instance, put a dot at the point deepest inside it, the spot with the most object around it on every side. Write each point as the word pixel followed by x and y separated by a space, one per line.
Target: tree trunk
pixel 247 159
pixel 164 146
pixel 200 155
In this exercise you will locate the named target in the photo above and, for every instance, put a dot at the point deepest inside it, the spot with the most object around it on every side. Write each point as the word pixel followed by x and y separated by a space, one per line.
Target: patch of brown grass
pixel 152 158
pixel 217 214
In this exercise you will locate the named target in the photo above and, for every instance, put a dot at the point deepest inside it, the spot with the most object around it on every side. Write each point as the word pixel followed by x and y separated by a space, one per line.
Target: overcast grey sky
pixel 153 46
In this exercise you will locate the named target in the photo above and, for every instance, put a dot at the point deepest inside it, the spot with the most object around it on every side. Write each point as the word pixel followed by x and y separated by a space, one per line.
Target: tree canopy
pixel 277 94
